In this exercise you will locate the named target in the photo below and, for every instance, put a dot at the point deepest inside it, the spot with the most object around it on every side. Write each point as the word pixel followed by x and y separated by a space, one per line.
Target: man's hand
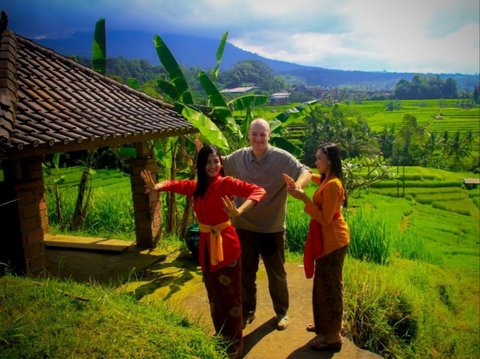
pixel 198 145
pixel 289 181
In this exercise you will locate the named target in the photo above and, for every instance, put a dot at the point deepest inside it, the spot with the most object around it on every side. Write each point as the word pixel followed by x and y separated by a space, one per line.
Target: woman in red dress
pixel 219 246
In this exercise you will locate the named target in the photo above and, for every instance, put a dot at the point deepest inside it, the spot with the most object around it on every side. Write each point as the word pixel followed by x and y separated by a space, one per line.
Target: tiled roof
pixel 49 103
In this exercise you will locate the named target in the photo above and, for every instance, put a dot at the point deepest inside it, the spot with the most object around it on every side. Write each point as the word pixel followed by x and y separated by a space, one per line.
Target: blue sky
pixel 438 36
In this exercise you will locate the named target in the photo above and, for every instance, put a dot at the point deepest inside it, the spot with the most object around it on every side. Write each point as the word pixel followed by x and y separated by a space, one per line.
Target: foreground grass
pixel 46 318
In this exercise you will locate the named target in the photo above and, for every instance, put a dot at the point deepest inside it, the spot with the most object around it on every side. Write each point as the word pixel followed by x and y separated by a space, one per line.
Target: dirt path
pixel 262 340
pixel 166 275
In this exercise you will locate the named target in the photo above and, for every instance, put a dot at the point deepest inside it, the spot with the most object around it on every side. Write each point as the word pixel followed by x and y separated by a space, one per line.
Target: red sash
pixel 313 246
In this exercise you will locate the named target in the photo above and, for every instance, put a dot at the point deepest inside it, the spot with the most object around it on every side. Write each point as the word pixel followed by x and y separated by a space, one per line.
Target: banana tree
pixel 293 115
pixel 99 48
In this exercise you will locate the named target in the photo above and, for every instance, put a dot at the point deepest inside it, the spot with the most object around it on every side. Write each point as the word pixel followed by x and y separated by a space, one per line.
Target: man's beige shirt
pixel 268 216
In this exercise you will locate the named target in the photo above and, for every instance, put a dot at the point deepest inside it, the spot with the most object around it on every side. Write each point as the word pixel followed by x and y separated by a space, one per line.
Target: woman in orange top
pixel 219 246
pixel 327 244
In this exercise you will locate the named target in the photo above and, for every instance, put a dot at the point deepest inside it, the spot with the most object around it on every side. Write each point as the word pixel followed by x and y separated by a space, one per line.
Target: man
pixel 262 229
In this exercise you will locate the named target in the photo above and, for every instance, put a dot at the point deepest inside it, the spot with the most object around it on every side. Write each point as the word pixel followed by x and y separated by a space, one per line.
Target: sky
pixel 432 36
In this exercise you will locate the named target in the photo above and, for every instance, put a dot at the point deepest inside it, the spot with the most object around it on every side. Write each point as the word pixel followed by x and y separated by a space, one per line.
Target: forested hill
pixel 191 51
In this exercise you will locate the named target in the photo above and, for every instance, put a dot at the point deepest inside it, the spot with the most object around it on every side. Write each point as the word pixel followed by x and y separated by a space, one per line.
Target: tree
pixel 331 125
pixel 431 145
pixel 449 88
pixel 458 148
pixel 407 147
pixel 363 172
pixel 386 140
pixel 475 95
pixel 402 89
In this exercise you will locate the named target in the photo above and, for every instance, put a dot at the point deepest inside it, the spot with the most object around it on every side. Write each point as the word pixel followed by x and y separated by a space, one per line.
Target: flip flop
pixel 310 328
pixel 327 346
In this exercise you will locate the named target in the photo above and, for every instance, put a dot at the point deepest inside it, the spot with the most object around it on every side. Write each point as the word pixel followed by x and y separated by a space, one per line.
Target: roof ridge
pixel 8 86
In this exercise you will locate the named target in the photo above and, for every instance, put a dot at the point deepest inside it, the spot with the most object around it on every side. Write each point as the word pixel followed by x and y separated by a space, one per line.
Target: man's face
pixel 259 135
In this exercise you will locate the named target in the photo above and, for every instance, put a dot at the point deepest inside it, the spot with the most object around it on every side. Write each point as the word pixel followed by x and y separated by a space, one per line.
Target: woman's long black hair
pixel 333 153
pixel 201 163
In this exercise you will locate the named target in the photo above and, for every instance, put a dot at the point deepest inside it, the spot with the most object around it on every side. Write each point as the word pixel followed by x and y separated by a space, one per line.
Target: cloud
pixel 407 35
pixel 383 36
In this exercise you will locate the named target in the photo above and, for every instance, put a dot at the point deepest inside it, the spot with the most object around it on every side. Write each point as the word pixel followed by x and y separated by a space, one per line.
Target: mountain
pixel 198 52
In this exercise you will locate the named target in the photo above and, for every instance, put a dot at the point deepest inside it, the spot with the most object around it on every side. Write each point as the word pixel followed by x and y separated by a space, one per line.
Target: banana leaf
pixel 248 102
pixel 168 88
pixel 162 153
pixel 99 48
pixel 219 105
pixel 174 71
pixel 282 143
pixel 206 127
pixel 219 55
pixel 297 113
pixel 215 98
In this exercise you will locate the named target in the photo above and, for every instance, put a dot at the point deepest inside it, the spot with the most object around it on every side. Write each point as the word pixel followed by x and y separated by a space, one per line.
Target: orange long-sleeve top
pixel 209 210
pixel 326 209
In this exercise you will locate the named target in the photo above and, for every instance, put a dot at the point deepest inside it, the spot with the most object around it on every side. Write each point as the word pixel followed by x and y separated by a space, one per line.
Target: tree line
pixel 425 87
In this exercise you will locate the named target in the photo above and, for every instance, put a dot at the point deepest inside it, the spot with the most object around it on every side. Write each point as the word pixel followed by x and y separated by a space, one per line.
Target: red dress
pixel 210 211
pixel 223 280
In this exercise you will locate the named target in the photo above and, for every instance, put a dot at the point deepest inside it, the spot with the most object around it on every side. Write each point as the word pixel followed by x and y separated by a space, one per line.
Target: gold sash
pixel 216 240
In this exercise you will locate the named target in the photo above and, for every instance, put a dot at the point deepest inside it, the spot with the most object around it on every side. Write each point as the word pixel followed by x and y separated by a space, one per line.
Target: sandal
pixel 310 328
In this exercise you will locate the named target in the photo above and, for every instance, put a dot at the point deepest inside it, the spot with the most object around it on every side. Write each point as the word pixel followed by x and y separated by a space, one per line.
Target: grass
pixel 46 318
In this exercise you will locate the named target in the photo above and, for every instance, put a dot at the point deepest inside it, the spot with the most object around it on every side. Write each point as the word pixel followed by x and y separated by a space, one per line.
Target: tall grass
pixel 411 246
pixel 410 309
pixel 296 222
pixel 110 212
pixel 370 237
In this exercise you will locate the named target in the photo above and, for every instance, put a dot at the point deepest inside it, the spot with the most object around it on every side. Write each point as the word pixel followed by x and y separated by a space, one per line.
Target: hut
pixel 51 104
